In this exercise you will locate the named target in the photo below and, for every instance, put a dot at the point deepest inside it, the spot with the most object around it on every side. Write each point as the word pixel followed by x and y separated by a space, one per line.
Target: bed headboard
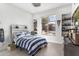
pixel 16 28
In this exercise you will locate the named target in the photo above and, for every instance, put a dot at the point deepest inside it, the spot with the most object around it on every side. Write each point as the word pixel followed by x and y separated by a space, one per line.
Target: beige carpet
pixel 52 49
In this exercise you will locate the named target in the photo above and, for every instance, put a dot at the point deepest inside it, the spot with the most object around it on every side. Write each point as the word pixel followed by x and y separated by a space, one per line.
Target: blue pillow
pixel 18 34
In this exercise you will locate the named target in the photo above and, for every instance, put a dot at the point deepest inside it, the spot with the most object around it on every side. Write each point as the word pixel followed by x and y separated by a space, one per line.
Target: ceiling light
pixel 36 4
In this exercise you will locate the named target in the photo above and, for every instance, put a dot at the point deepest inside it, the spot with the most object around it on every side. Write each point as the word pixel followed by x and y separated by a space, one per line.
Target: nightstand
pixel 12 47
pixel 33 32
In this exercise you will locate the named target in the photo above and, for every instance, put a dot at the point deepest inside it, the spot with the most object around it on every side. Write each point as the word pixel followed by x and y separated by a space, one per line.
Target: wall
pixel 56 11
pixel 12 15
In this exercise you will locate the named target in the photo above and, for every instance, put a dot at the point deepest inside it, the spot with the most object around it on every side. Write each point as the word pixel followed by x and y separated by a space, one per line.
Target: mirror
pixel 35 25
pixel 76 16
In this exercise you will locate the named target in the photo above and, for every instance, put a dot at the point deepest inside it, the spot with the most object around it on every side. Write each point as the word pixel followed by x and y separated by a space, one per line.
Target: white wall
pixel 57 11
pixel 12 15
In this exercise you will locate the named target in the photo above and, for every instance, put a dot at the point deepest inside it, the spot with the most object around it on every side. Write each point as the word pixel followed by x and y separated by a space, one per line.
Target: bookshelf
pixel 67 22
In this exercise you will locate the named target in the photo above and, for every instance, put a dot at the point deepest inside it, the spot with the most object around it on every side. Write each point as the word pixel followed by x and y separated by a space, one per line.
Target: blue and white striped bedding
pixel 31 43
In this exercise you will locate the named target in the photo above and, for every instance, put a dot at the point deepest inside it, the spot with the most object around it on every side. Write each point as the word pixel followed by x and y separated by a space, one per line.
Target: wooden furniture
pixel 75 38
pixel 76 41
pixel 12 47
pixel 72 35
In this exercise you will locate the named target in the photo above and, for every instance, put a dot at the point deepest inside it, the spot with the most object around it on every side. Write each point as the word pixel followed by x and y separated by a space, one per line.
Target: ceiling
pixel 44 6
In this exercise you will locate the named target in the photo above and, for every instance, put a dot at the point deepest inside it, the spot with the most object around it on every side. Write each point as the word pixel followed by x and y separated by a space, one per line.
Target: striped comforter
pixel 31 44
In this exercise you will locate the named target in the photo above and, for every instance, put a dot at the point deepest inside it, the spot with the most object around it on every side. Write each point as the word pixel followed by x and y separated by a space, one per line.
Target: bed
pixel 23 39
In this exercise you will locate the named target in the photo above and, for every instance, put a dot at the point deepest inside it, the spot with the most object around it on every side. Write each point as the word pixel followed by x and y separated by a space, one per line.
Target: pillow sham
pixel 17 34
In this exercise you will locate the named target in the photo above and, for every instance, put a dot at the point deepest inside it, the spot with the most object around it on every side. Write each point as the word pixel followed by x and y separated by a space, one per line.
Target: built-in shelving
pixel 66 22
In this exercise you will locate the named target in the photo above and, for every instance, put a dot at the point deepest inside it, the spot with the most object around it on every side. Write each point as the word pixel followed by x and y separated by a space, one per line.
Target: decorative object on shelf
pixel 1 35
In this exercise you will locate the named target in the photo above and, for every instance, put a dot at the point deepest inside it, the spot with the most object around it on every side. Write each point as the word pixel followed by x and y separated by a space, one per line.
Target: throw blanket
pixel 31 44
